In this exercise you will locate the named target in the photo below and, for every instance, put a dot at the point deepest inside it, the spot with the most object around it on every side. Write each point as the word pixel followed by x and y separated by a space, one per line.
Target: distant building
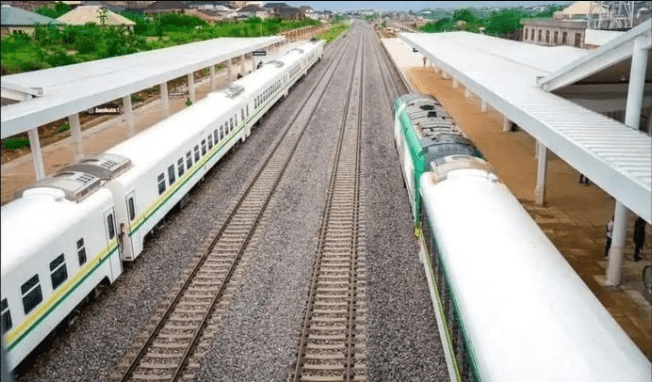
pixel 165 7
pixel 308 12
pixel 253 10
pixel 275 7
pixel 86 14
pixel 555 32
pixel 29 5
pixel 16 20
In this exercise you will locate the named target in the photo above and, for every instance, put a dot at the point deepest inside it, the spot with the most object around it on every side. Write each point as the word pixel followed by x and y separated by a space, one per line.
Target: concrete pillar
pixel 467 93
pixel 165 100
pixel 129 116
pixel 542 166
pixel 242 65
pixel 455 83
pixel 75 134
pixel 636 84
pixel 483 106
pixel 37 155
pixel 618 242
pixel 507 124
pixel 229 70
pixel 191 86
pixel 212 75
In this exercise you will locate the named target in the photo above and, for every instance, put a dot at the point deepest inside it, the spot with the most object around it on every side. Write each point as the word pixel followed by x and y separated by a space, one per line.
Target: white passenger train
pixel 68 234
pixel 508 305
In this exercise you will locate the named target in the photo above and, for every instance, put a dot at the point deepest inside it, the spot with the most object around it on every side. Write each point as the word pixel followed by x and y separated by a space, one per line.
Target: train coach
pixel 66 236
pixel 508 305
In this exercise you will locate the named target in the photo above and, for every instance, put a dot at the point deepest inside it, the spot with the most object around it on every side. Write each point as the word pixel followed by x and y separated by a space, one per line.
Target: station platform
pixel 574 216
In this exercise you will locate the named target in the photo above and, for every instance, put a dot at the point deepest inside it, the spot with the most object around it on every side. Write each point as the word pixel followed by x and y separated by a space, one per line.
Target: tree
pixel 505 21
pixel 59 9
pixel 103 14
pixel 465 15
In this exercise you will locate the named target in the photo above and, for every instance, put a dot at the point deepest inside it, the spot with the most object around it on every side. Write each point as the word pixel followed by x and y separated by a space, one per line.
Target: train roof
pixel 149 147
pixel 526 312
pixel 41 216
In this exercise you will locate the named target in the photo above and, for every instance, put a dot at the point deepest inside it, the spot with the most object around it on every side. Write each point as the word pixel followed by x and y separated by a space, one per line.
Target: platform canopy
pixel 52 94
pixel 505 74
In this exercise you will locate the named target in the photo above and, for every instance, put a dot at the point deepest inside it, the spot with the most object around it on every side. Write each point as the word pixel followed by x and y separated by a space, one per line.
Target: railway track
pixel 179 333
pixel 332 343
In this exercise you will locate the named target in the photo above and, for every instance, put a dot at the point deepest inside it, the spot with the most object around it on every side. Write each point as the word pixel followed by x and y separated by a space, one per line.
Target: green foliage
pixel 136 98
pixel 13 143
pixel 64 127
pixel 550 10
pixel 337 19
pixel 371 17
pixel 441 25
pixel 188 102
pixel 59 10
pixel 53 46
pixel 464 15
pixel 504 21
pixel 332 34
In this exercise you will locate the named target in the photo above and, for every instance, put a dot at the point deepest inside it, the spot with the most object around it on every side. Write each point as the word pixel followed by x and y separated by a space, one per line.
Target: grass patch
pixel 13 143
pixel 333 33
pixel 64 127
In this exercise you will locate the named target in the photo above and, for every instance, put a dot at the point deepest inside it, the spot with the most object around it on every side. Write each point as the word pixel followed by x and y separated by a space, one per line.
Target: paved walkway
pixel 19 173
pixel 574 216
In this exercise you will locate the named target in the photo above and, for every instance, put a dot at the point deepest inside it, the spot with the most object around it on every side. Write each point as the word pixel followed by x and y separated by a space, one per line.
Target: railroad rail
pixel 176 338
pixel 332 344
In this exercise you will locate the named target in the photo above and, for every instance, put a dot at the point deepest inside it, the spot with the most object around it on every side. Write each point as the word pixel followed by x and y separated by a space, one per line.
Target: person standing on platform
pixel 608 234
pixel 639 237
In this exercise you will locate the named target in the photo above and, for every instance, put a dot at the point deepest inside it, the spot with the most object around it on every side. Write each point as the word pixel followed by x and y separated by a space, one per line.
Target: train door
pixel 111 234
pixel 132 238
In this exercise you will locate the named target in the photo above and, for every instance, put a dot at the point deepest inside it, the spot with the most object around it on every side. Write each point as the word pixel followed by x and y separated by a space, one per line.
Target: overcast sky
pixel 411 5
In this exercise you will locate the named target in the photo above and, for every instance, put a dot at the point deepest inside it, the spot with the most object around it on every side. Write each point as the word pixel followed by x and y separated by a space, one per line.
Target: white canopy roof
pixel 504 73
pixel 73 88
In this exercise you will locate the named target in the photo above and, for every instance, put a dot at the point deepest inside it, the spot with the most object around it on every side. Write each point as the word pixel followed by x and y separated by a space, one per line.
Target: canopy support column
pixel 129 115
pixel 507 124
pixel 37 154
pixel 229 70
pixel 165 100
pixel 76 135
pixel 212 75
pixel 618 242
pixel 542 167
pixel 636 84
pixel 191 86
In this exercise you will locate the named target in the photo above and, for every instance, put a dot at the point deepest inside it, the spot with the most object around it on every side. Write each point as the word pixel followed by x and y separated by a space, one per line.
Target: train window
pixel 180 167
pixel 196 153
pixel 32 295
pixel 210 142
pixel 161 183
pixel 81 250
pixel 221 132
pixel 215 136
pixel 236 119
pixel 132 208
pixel 247 110
pixel 6 316
pixel 58 271
pixel 171 174
pixel 109 222
pixel 231 123
pixel 203 147
pixel 242 113
pixel 188 160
